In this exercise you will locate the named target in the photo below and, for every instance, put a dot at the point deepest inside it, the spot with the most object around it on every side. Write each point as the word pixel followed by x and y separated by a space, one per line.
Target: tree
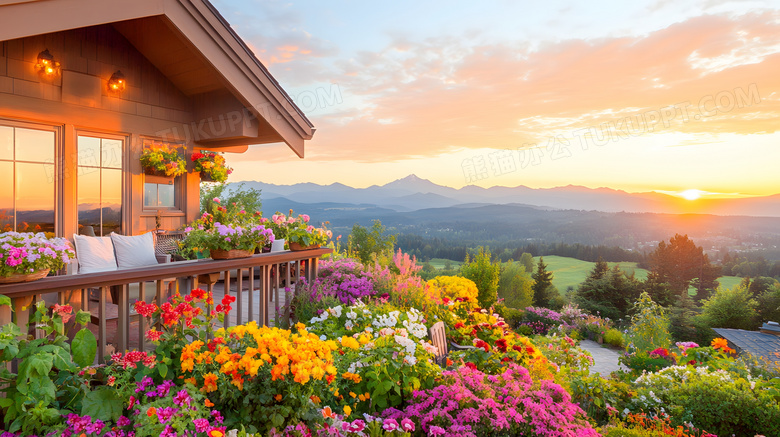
pixel 527 261
pixel 515 286
pixel 682 323
pixel 485 274
pixel 542 283
pixel 681 263
pixel 661 292
pixel 608 292
pixel 364 243
pixel 649 325
pixel 731 308
pixel 228 194
pixel 769 305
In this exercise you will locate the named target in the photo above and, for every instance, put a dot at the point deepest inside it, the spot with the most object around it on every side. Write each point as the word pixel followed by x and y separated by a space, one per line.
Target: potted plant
pixel 163 161
pixel 229 241
pixel 25 256
pixel 302 236
pixel 211 166
pixel 280 227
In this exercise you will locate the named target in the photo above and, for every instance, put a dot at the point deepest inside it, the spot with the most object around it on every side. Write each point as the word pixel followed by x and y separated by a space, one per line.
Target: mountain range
pixel 413 193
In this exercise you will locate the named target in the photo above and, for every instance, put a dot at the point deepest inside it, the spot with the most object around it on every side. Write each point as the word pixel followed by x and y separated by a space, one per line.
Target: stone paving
pixel 605 360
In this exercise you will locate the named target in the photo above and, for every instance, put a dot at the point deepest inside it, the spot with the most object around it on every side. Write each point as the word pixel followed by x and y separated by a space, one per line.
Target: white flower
pixel 323 337
pixel 336 311
pixel 351 315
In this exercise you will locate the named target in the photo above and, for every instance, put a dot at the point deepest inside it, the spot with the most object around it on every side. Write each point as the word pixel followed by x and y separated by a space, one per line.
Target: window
pixel 160 192
pixel 100 184
pixel 27 178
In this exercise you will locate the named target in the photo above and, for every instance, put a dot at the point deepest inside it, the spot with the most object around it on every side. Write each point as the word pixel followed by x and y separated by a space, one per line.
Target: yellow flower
pixel 350 342
pixel 347 410
pixel 352 394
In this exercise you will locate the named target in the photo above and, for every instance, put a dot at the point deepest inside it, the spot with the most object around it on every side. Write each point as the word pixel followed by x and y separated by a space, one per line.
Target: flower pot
pixel 155 176
pixel 23 277
pixel 230 254
pixel 206 177
pixel 278 245
pixel 600 339
pixel 294 246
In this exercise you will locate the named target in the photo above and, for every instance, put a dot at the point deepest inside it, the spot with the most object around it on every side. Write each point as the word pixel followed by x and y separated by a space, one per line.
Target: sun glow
pixel 690 194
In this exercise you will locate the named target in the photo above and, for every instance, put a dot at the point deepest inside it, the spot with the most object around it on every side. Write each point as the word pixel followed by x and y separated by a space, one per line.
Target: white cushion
pixel 95 254
pixel 135 251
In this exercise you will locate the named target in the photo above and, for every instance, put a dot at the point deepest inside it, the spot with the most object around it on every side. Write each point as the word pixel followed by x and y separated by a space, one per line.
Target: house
pixel 763 345
pixel 86 85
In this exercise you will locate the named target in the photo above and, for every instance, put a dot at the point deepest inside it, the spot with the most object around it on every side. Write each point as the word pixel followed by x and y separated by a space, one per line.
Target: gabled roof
pixel 216 57
pixel 759 345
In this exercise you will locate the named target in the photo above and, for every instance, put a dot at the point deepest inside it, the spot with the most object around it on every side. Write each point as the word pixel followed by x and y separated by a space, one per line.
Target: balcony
pixel 258 283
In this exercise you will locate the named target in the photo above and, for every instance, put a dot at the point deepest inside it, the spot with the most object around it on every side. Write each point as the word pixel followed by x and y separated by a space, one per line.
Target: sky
pixel 668 95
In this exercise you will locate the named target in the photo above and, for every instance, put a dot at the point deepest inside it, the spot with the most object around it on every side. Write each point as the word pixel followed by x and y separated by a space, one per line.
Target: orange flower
pixel 209 382
pixel 216 433
pixel 278 398
pixel 327 413
pixel 151 411
pixel 719 343
pixel 315 399
pixel 208 403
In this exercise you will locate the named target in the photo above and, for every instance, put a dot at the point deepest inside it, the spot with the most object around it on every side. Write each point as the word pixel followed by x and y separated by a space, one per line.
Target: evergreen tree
pixel 542 283
pixel 682 324
pixel 527 261
pixel 609 292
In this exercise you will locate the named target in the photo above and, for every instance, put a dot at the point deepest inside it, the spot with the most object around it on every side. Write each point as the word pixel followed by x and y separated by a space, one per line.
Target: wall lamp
pixel 117 83
pixel 46 65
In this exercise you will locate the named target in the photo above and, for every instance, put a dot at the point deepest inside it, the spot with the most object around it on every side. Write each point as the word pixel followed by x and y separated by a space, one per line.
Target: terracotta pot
pixel 23 277
pixel 231 254
pixel 297 246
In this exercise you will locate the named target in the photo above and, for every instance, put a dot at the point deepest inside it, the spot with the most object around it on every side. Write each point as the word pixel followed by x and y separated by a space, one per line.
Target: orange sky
pixel 688 102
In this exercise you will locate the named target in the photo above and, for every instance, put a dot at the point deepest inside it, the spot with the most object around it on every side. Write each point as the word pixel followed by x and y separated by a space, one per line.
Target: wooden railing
pixel 264 274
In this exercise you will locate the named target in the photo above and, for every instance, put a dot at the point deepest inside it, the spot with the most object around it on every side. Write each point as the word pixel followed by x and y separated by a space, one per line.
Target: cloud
pixel 443 94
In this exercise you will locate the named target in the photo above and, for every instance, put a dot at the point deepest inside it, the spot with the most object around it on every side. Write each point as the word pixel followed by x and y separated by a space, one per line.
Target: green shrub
pixel 512 316
pixel 597 395
pixel 649 326
pixel 525 330
pixel 641 361
pixel 485 274
pixel 731 308
pixel 719 402
pixel 614 337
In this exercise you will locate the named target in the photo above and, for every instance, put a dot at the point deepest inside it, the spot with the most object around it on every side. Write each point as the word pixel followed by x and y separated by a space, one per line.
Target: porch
pixel 258 284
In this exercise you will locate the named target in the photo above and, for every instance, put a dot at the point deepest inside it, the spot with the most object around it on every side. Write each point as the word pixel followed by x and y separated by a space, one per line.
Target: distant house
pixel 71 134
pixel 763 344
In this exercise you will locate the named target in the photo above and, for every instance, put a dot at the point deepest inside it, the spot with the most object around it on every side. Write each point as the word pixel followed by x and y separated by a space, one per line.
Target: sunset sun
pixel 691 194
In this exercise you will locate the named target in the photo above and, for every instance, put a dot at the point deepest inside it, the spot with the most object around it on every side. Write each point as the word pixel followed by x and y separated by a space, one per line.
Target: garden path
pixel 605 360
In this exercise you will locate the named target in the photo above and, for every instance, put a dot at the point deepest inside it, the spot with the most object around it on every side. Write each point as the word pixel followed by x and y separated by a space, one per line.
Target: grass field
pixel 572 272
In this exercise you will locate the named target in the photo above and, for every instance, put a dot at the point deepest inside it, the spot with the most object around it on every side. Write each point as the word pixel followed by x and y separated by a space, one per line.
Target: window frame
pixel 178 182
pixel 56 165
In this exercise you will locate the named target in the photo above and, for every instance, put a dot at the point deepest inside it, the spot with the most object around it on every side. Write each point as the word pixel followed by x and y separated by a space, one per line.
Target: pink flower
pixel 216 200
pixel 407 425
pixel 390 425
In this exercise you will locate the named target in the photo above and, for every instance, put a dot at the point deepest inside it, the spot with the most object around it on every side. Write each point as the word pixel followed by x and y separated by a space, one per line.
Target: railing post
pixel 102 327
pixel 123 324
pixel 251 304
pixel 226 322
pixel 239 296
pixel 141 319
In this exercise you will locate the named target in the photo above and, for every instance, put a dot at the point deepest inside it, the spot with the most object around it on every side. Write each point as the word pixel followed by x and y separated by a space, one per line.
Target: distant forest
pixel 429 248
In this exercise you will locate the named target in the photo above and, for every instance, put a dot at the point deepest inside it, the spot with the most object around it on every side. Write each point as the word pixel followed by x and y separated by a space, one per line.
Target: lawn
pixel 570 272
pixel 439 263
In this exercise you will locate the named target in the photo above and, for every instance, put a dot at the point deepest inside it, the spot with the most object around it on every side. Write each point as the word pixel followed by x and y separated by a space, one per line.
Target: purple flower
pixel 435 430
pixel 390 425
pixel 181 398
pixel 123 421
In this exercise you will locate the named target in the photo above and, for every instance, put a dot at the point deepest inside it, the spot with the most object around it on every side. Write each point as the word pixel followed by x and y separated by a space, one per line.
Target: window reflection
pixel 6 143
pixel 34 197
pixel 27 176
pixel 159 195
pixel 34 145
pixel 6 196
pixel 100 184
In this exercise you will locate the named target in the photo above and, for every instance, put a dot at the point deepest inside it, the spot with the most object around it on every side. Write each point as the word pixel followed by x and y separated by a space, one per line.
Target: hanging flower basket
pixel 206 177
pixel 294 246
pixel 163 161
pixel 211 166
pixel 231 254
pixel 16 278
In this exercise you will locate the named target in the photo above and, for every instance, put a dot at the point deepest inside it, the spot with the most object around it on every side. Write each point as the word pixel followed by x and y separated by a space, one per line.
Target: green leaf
pixel 163 369
pixel 59 326
pixel 41 387
pixel 102 404
pixel 5 300
pixel 6 402
pixel 83 317
pixel 84 348
pixel 41 363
